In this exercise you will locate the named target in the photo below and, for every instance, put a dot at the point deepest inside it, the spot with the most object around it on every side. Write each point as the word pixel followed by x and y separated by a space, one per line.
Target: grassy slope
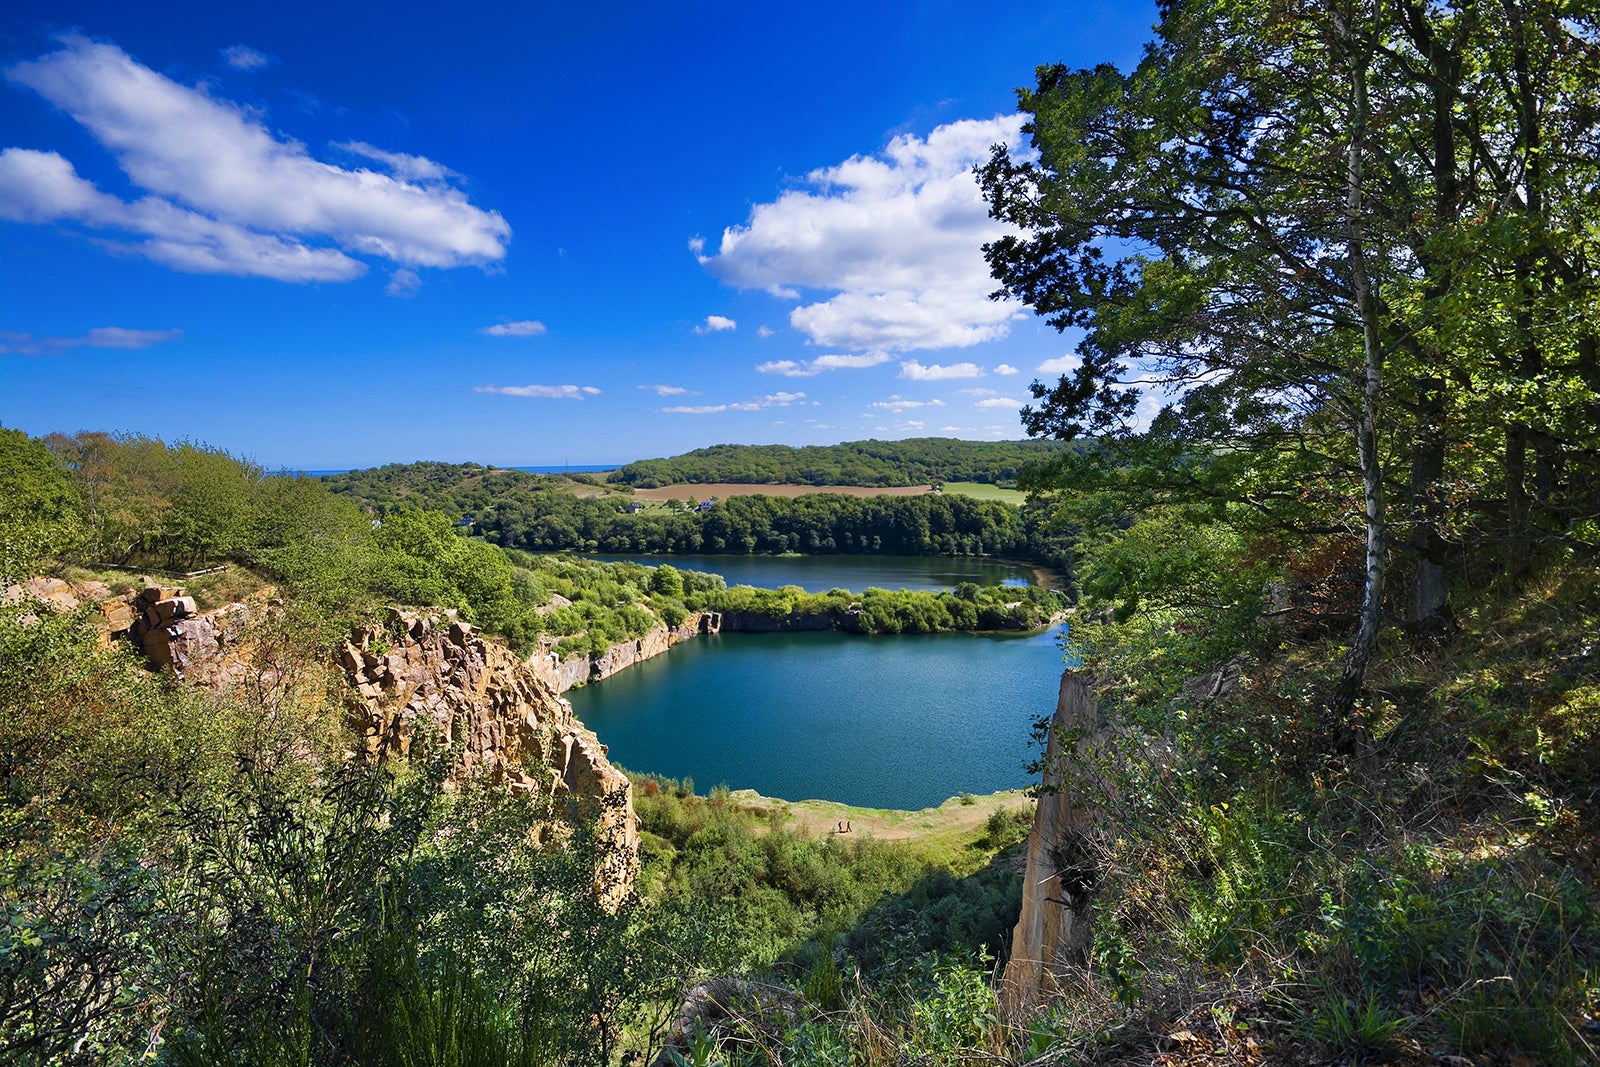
pixel 1422 888
pixel 937 835
pixel 980 491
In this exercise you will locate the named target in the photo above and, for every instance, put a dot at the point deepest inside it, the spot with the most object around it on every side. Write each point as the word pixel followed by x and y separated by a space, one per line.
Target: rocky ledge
pixel 431 675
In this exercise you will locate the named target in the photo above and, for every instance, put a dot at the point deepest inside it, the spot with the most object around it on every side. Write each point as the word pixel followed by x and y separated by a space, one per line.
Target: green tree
pixel 40 510
pixel 667 581
pixel 1266 217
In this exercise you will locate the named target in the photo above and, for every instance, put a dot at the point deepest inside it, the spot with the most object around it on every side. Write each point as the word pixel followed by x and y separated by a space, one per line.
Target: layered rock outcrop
pixel 173 632
pixel 430 676
pixel 562 674
pixel 161 621
pixel 1055 930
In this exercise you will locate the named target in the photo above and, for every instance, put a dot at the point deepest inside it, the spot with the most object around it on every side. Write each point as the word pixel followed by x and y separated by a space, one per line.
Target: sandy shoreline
pixel 957 817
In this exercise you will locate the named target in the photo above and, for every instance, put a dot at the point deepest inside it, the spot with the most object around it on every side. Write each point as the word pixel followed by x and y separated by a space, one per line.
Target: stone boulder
pixel 769 1009
pixel 182 644
pixel 1218 684
pixel 118 616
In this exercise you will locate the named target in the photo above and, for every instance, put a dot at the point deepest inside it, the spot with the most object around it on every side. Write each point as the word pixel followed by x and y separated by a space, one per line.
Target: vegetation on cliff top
pixel 97 499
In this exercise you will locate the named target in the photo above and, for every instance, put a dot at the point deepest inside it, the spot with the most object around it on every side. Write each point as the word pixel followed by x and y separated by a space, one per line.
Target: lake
pixel 818 574
pixel 883 722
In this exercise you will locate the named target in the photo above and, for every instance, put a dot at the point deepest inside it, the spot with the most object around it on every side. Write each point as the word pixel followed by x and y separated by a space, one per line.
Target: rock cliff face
pixel 422 675
pixel 562 674
pixel 755 622
pixel 431 675
pixel 1054 932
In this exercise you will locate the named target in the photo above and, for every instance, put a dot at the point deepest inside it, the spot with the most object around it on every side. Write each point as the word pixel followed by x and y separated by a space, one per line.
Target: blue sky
pixel 341 235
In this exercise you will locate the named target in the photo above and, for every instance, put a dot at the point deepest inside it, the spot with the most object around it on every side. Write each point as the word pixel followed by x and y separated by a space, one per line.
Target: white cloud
pixel 894 403
pixel 716 324
pixel 226 195
pixel 44 187
pixel 936 372
pixel 668 390
pixel 697 245
pixel 548 392
pixel 991 432
pixel 524 328
pixel 765 332
pixel 400 164
pixel 896 237
pixel 1061 364
pixel 808 368
pixel 404 283
pixel 977 392
pixel 1004 369
pixel 25 344
pixel 696 409
pixel 771 400
pixel 243 57
pixel 1000 402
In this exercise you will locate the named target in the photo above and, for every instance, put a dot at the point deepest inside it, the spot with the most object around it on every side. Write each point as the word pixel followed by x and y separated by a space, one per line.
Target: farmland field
pixel 984 491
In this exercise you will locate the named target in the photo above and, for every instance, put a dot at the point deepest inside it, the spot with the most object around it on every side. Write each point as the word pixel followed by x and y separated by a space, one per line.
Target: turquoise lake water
pixel 902 721
pixel 818 574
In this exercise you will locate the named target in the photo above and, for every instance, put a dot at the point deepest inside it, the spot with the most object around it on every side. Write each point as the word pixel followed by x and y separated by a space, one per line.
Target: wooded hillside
pixel 913 461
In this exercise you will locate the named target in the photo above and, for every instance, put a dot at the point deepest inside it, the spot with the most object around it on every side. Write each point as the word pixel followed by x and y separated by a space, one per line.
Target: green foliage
pixel 1363 1030
pixel 880 611
pixel 940 914
pixel 40 511
pixel 702 1051
pixel 913 461
pixel 209 879
pixel 955 1016
pixel 543 516
pixel 667 582
pixel 68 941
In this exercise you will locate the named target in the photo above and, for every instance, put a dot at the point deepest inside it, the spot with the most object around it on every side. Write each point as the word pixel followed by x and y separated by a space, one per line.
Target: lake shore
pixel 889 824
pixel 936 833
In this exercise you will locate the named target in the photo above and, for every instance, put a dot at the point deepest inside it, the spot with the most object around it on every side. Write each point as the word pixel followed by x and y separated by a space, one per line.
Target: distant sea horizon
pixel 564 468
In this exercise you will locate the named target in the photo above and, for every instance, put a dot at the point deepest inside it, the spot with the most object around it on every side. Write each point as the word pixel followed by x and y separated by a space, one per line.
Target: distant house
pixel 707 504
pixel 634 509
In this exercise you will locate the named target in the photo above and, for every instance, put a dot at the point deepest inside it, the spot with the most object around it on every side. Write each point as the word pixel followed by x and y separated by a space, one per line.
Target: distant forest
pixel 915 461
pixel 458 489
pixel 544 513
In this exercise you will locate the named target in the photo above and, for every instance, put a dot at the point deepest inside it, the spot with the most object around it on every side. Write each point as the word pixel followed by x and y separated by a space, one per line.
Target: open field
pixel 984 491
pixel 932 831
pixel 725 489
pixel 587 490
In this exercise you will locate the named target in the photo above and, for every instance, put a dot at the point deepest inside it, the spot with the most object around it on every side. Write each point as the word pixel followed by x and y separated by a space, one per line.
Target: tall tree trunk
pixel 1516 468
pixel 1425 546
pixel 1424 543
pixel 1365 289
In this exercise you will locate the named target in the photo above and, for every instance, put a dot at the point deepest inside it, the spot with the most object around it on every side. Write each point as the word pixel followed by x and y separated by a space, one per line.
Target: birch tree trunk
pixel 1365 289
